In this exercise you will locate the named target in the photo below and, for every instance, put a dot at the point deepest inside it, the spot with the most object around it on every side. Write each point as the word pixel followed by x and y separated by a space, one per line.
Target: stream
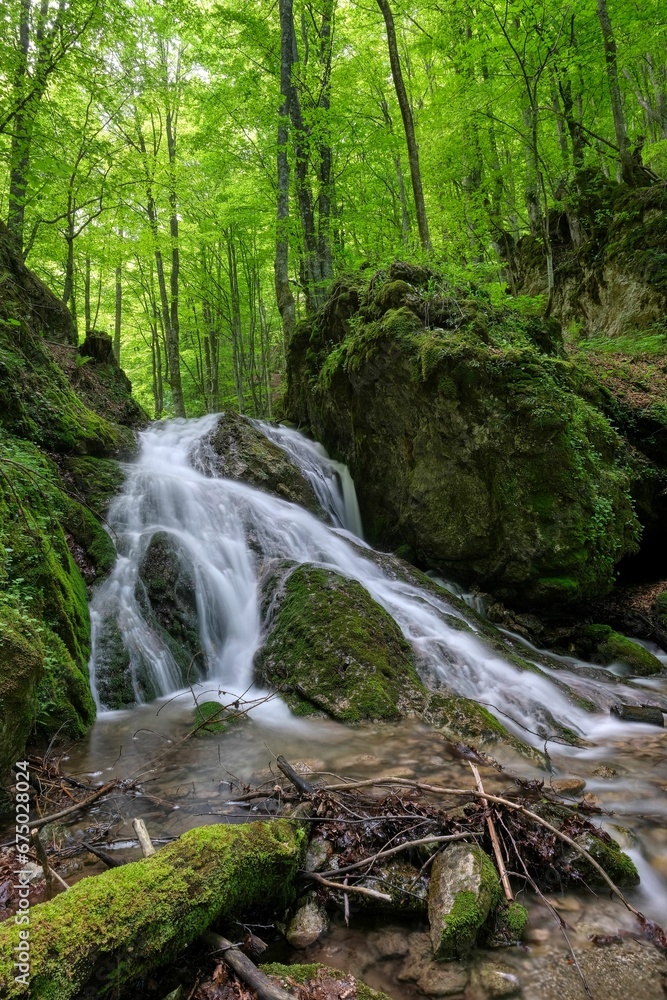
pixel 229 534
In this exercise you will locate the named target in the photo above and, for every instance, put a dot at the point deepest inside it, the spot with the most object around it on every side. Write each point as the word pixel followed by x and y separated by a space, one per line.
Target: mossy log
pixel 112 928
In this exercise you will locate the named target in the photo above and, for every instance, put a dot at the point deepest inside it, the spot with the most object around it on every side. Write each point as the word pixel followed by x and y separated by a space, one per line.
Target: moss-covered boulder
pixel 600 644
pixel 113 929
pixel 238 450
pixel 333 648
pixel 167 594
pixel 468 444
pixel 330 648
pixel 464 891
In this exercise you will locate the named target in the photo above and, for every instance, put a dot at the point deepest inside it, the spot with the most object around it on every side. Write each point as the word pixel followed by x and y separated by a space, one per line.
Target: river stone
pixel 238 450
pixel 400 880
pixel 632 969
pixel 391 942
pixel 433 978
pixel 498 979
pixel 308 923
pixel 568 786
pixel 463 890
pixel 649 714
pixel 318 854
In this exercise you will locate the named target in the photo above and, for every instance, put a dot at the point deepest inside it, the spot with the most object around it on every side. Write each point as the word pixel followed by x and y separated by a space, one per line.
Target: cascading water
pixel 228 532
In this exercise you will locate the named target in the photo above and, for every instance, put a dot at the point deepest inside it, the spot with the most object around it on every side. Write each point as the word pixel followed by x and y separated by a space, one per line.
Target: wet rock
pixel 236 449
pixel 308 923
pixel 510 922
pixel 568 786
pixel 443 980
pixel 619 866
pixel 463 890
pixel 321 981
pixel 615 972
pixel 391 942
pixel 403 882
pixel 601 644
pixel 603 771
pixel 318 855
pixel 649 714
pixel 498 980
pixel 537 935
pixel 167 594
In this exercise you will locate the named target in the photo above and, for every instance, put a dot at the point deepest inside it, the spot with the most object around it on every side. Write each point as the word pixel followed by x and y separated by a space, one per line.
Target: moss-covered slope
pixel 467 435
pixel 57 474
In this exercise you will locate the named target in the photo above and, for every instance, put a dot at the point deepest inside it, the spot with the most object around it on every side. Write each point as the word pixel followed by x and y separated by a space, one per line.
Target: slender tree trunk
pixel 408 125
pixel 284 296
pixel 325 152
pixel 19 157
pixel 119 310
pixel 628 167
pixel 173 329
pixel 87 309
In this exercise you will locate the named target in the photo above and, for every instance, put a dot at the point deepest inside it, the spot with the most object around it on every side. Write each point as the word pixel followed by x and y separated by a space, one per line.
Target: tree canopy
pixel 190 175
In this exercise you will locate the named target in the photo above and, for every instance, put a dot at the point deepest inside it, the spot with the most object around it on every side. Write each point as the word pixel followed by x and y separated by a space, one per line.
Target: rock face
pixel 468 438
pixel 237 450
pixel 167 594
pixel 463 891
pixel 609 252
pixel 51 441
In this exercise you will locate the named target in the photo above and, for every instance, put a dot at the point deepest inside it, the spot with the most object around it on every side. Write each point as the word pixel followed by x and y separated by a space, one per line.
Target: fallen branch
pixel 104 856
pixel 509 895
pixel 49 874
pixel 299 783
pixel 245 969
pixel 36 824
pixel 359 889
pixel 395 850
pixel 145 841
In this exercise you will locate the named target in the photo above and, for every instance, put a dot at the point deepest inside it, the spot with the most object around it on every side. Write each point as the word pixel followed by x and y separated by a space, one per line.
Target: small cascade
pixel 226 534
pixel 331 481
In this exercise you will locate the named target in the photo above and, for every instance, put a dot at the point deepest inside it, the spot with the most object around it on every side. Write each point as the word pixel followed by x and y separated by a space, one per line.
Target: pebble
pixel 568 786
pixel 318 854
pixel 537 935
pixel 499 980
pixel 308 923
pixel 443 979
pixel 391 942
pixel 605 772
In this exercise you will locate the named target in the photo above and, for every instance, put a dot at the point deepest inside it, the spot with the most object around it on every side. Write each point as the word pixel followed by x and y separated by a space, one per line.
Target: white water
pixel 231 534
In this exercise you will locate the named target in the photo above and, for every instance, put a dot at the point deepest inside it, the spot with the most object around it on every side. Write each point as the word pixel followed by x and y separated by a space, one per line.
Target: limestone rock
pixel 308 923
pixel 498 979
pixel 318 855
pixel 568 786
pixel 236 449
pixel 463 891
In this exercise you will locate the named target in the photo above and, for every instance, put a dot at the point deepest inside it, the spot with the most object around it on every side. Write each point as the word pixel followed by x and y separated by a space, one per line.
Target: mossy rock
pixel 211 713
pixel 65 702
pixel 238 450
pixel 510 922
pixel 618 865
pixel 661 608
pixel 333 646
pixel 319 980
pixel 167 594
pixel 402 882
pixel 464 890
pixel 96 480
pixel 21 666
pixel 603 645
pixel 470 445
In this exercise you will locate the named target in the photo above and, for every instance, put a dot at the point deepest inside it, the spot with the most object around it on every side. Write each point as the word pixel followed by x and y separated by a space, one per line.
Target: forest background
pixel 191 176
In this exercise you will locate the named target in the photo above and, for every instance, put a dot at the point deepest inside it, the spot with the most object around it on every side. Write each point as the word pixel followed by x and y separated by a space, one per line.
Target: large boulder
pixel 468 438
pixel 238 450
pixel 330 648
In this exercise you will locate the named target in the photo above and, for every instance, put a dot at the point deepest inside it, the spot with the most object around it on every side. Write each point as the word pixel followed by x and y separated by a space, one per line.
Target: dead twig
pixel 36 824
pixel 395 850
pixel 509 895
pixel 359 889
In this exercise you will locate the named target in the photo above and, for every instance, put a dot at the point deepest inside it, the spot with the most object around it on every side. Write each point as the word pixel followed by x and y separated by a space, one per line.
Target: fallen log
pixel 245 969
pixel 111 928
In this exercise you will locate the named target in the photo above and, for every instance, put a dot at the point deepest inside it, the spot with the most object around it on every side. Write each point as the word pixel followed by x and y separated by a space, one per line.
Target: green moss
pixel 21 666
pixel 511 920
pixel 97 480
pixel 606 646
pixel 212 711
pixel 618 865
pixel 468 912
pixel 661 606
pixel 335 648
pixel 65 704
pixel 126 921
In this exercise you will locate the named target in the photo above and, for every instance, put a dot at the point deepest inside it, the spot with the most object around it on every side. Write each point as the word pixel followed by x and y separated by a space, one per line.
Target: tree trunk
pixel 173 329
pixel 408 125
pixel 116 927
pixel 119 309
pixel 284 296
pixel 628 166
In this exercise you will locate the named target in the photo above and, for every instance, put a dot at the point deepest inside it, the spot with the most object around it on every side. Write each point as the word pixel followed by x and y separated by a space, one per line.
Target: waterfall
pixel 228 533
